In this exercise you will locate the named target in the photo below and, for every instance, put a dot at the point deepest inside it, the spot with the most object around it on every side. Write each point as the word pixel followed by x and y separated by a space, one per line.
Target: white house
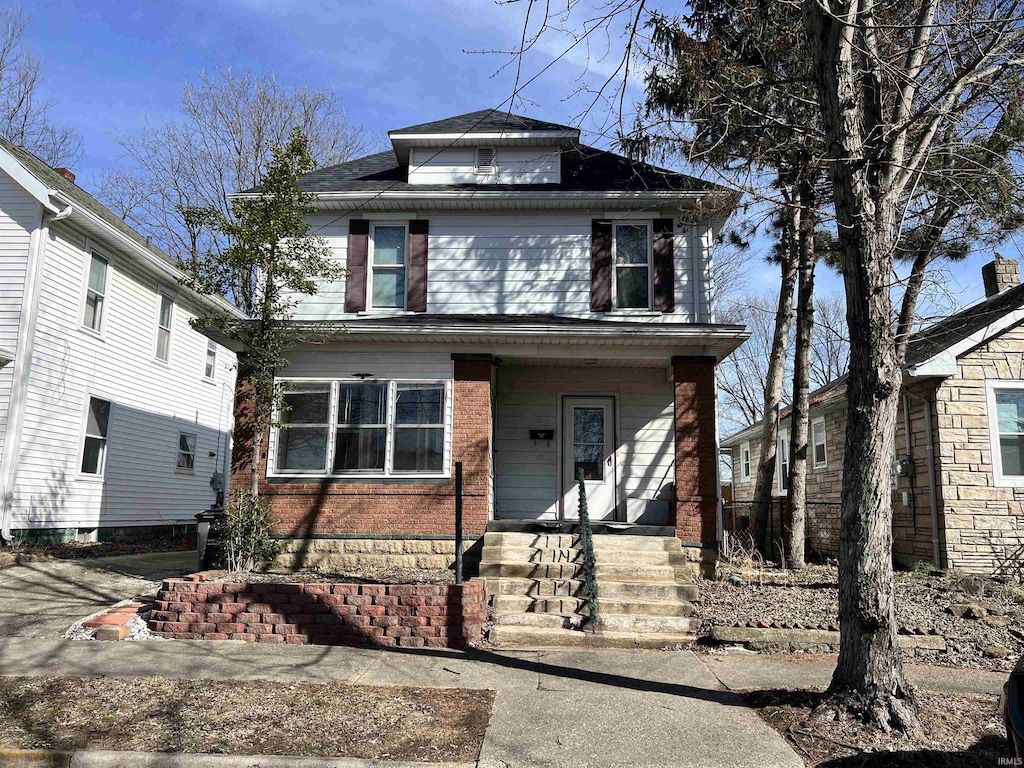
pixel 114 413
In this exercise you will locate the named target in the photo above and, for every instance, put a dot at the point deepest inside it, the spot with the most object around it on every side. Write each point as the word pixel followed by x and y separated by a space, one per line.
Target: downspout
pixel 23 366
pixel 933 483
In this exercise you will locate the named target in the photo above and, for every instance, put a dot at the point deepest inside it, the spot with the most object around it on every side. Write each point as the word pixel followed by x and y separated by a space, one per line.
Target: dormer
pixel 489 147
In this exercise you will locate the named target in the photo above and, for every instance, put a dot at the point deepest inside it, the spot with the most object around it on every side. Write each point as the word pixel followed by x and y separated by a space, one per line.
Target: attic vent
pixel 485 160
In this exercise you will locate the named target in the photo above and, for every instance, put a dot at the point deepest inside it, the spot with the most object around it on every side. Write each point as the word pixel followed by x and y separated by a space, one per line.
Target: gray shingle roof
pixel 78 196
pixel 483 121
pixel 584 169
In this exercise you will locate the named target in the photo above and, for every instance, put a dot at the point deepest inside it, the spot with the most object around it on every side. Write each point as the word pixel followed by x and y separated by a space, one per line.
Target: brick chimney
pixel 66 173
pixel 1000 275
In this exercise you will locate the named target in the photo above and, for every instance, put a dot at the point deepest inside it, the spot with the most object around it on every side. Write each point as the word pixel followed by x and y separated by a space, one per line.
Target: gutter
pixel 23 365
pixel 933 484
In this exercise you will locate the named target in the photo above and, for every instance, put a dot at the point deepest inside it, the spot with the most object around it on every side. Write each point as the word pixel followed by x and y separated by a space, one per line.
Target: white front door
pixel 589 444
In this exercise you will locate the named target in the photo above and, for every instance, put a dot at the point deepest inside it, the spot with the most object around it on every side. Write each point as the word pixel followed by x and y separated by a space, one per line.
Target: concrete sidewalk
pixel 742 670
pixel 564 708
pixel 43 598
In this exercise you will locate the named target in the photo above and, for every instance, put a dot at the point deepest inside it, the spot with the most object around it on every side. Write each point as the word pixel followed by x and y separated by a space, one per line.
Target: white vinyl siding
pixel 19 215
pixel 153 403
pixel 526 472
pixel 458 165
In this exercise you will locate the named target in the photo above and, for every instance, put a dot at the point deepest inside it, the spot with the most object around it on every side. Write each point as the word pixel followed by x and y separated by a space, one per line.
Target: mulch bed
pixel 369 575
pixel 811 597
pixel 957 731
pixel 243 717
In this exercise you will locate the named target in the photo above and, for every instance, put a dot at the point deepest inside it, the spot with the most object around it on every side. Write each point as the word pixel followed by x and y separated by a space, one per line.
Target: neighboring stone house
pixel 958 494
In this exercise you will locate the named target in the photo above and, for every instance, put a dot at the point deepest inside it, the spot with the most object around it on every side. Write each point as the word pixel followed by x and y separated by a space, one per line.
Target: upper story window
pixel 745 461
pixel 818 441
pixel 96 293
pixel 388 254
pixel 485 165
pixel 631 255
pixel 165 319
pixel 94 443
pixel 210 370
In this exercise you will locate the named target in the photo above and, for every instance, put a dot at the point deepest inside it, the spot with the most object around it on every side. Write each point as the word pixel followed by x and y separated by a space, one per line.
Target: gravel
pixel 811 597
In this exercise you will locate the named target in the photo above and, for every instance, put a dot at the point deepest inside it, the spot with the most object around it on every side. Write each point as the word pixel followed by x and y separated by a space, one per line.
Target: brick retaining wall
pixel 385 615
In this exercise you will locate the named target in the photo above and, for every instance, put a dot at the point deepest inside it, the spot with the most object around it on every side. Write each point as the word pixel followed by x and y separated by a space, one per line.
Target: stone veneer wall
pixel 366 553
pixel 983 521
pixel 382 615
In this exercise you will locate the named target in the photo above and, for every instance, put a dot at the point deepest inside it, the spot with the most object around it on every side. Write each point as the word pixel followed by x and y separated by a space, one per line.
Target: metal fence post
pixel 458 522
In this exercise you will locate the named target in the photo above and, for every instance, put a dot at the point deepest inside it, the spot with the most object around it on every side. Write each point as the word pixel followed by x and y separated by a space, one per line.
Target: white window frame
pixel 991 388
pixel 84 433
pixel 369 267
pixel 745 463
pixel 90 251
pixel 649 224
pixel 782 457
pixel 332 426
pixel 824 443
pixel 161 293
pixel 178 453
pixel 211 346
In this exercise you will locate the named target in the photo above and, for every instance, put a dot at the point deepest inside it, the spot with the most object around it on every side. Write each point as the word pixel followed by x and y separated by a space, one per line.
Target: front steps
pixel 644 590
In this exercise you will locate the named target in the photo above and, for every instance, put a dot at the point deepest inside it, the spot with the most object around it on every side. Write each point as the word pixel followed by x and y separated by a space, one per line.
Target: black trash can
pixel 208 545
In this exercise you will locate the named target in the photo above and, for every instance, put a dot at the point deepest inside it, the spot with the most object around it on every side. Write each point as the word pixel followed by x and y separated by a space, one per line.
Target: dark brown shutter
pixel 601 266
pixel 664 270
pixel 416 299
pixel 358 247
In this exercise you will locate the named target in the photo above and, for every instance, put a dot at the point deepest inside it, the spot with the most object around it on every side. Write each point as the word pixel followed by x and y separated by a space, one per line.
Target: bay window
pixel 370 428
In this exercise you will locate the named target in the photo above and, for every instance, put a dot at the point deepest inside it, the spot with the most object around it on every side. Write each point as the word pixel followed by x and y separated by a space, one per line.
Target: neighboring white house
pixel 114 412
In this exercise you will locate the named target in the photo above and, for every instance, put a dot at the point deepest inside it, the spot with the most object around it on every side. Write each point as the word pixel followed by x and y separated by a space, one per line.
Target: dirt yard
pixel 236 717
pixel 993 641
pixel 957 732
pixel 369 575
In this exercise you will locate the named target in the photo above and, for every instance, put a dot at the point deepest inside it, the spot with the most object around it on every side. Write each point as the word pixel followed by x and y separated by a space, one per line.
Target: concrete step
pixel 641 608
pixel 639 590
pixel 634 556
pixel 539 620
pixel 545 637
pixel 635 573
pixel 539 540
pixel 527 570
pixel 529 604
pixel 537 587
pixel 530 555
pixel 647 624
pixel 646 543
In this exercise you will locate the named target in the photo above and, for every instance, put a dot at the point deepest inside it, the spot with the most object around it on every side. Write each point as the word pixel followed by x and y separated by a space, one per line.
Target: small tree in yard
pixel 268 236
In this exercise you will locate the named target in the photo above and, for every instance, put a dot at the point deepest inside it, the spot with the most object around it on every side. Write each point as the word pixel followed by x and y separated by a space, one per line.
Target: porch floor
pixel 572 526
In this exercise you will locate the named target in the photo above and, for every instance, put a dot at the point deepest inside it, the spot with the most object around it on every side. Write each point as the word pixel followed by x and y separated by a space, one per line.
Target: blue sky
pixel 114 66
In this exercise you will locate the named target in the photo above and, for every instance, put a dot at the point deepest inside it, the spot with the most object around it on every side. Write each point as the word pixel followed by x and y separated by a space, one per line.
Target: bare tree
pixel 24 112
pixel 830 348
pixel 221 144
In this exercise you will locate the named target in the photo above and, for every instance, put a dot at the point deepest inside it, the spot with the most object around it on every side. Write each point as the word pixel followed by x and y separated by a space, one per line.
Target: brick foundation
pixel 304 509
pixel 380 615
pixel 696 464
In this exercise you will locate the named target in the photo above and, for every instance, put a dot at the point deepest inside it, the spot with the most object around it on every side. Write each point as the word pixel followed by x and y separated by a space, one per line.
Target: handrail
pixel 589 560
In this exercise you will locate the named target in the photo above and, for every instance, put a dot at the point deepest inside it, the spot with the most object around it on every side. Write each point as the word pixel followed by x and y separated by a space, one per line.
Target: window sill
pixel 1009 482
pixel 404 478
pixel 164 363
pixel 86 478
pixel 86 331
pixel 385 313
pixel 637 312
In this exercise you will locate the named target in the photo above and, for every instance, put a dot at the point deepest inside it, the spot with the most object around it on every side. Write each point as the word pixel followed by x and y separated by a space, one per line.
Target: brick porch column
pixel 696 497
pixel 471 436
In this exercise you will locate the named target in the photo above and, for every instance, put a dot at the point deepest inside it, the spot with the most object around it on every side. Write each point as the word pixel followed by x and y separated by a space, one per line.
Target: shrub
pixel 244 534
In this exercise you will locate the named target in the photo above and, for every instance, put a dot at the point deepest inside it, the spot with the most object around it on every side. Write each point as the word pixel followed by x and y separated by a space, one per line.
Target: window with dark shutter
pixel 601 266
pixel 418 236
pixel 358 246
pixel 664 271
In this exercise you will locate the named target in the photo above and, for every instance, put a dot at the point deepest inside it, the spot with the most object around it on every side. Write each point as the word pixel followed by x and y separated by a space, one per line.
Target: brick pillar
pixel 471 436
pixel 696 497
pixel 243 432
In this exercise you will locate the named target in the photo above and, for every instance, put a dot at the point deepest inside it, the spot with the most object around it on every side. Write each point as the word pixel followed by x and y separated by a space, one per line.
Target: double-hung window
pixel 782 462
pixel 186 452
pixel 164 322
pixel 370 428
pixel 95 293
pixel 94 448
pixel 210 370
pixel 387 266
pixel 745 461
pixel 818 442
pixel 1006 424
pixel 631 254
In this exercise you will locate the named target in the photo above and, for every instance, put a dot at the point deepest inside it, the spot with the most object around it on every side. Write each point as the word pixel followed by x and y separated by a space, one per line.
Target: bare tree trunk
pixel 773 390
pixel 796 493
pixel 869 676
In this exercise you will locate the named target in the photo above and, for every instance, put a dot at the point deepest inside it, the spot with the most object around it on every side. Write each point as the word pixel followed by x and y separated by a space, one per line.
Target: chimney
pixel 66 173
pixel 1000 275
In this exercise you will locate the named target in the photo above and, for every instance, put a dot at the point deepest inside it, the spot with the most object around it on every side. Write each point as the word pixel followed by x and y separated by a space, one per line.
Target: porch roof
pixel 668 336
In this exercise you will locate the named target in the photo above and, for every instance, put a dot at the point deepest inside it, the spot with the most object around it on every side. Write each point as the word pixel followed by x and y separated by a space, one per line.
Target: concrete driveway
pixel 44 598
